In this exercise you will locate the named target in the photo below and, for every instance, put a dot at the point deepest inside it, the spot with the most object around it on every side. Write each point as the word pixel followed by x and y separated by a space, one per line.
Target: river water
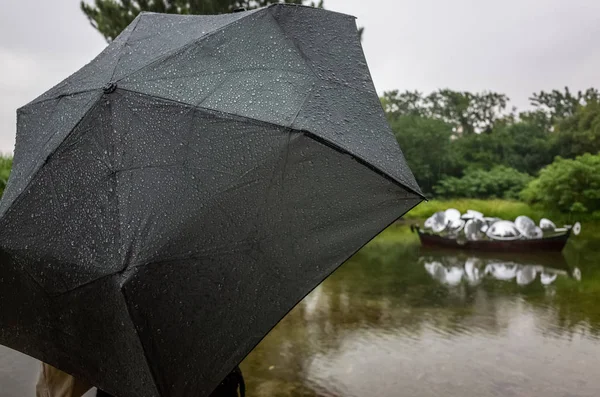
pixel 397 320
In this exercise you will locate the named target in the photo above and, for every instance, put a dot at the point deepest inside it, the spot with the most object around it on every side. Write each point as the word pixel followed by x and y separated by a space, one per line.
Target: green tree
pixel 580 132
pixel 110 17
pixel 537 118
pixel 526 146
pixel 499 182
pixel 567 185
pixel 5 167
pixel 558 105
pixel 425 143
pixel 468 113
pixel 471 113
pixel 408 103
pixel 476 151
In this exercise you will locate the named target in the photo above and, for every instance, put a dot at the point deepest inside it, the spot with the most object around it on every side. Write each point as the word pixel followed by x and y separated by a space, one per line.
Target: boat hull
pixel 554 243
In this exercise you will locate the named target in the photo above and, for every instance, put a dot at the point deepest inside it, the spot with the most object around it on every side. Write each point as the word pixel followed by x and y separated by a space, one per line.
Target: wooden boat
pixel 554 243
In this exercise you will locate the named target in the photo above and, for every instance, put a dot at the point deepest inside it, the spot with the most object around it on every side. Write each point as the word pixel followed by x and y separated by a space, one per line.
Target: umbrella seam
pixel 56 203
pixel 164 133
pixel 131 269
pixel 115 178
pixel 237 247
pixel 304 57
pixel 150 370
pixel 265 207
pixel 306 62
pixel 189 44
pixel 55 294
pixel 309 95
pixel 121 51
pixel 34 177
pixel 26 269
pixel 321 279
pixel 125 263
pixel 309 64
pixel 309 134
pixel 360 160
pixel 294 5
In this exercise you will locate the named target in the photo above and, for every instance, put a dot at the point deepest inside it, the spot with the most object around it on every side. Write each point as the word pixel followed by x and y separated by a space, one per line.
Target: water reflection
pixel 397 321
pixel 452 270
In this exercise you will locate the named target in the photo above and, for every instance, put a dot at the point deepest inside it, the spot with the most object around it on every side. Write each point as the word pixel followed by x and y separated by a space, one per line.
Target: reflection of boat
pixel 501 271
pixel 450 276
pixel 552 243
pixel 451 270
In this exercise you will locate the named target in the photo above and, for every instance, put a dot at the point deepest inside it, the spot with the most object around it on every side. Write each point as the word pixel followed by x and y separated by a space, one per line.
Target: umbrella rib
pixel 190 129
pixel 58 97
pixel 166 166
pixel 90 89
pixel 215 73
pixel 309 134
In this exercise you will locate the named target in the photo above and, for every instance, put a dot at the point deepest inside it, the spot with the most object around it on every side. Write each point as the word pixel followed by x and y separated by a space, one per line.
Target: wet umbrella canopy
pixel 171 201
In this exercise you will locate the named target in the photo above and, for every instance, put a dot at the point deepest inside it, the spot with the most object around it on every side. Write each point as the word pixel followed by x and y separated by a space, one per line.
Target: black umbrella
pixel 171 201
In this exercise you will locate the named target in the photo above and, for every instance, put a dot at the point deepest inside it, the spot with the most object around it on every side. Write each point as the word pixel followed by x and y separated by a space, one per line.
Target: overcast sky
pixel 511 46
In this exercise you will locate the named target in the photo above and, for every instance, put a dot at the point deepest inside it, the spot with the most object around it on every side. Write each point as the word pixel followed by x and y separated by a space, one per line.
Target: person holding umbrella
pixel 56 383
pixel 53 382
pixel 171 201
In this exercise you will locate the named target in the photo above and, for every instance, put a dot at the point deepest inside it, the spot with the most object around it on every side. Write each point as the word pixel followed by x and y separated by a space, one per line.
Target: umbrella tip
pixel 109 87
pixel 239 9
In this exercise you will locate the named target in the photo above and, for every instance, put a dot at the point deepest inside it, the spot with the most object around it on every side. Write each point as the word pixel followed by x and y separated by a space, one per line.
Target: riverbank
pixel 505 209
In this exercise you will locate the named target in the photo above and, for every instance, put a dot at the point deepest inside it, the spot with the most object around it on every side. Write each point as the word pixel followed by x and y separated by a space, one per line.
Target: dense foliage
pixel 110 17
pixel 580 133
pixel 460 144
pixel 5 167
pixel 568 185
pixel 499 182
pixel 558 105
pixel 468 113
pixel 415 133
